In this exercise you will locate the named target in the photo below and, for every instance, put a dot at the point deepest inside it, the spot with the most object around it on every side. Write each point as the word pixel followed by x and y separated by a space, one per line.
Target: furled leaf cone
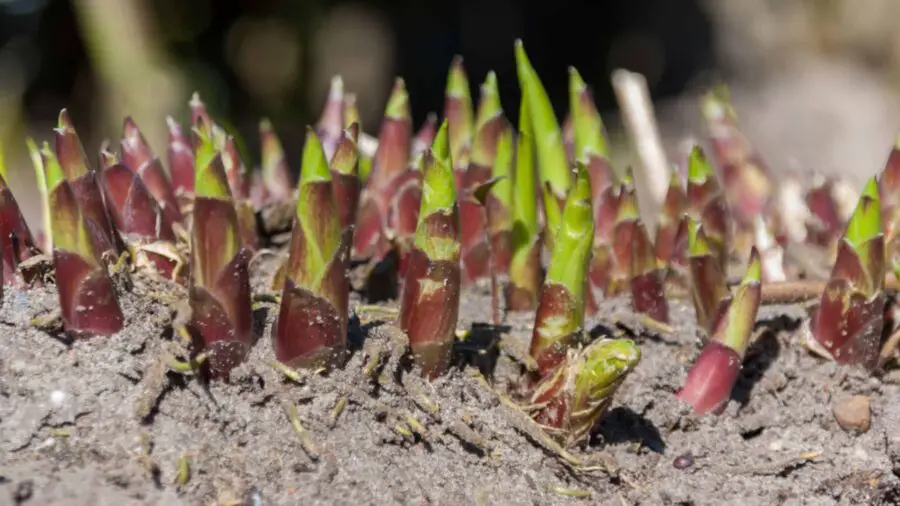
pixel 498 206
pixel 87 298
pixel 559 322
pixel 200 118
pixel 219 294
pixel 830 204
pixel 670 219
pixel 574 398
pixel 240 187
pixel 425 136
pixel 889 192
pixel 392 159
pixel 553 167
pixel 137 156
pixel 404 212
pixel 85 186
pixel 848 323
pixel 44 236
pixel 605 216
pixel 311 330
pixel 623 240
pixel 706 204
pixel 525 241
pixel 708 287
pixel 351 116
pixel 748 187
pixel 521 293
pixel 458 113
pixel 708 385
pixel 276 174
pixel 259 195
pixel 568 133
pixel 235 170
pixel 429 305
pixel 483 195
pixel 648 290
pixel 181 159
pixel 345 176
pixel 590 147
pixel 330 127
pixel 143 226
pixel 16 241
pixel 219 141
pixel 490 127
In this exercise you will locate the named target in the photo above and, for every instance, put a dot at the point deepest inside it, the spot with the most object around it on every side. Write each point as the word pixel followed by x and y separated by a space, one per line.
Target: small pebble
pixel 57 397
pixel 24 491
pixel 683 461
pixel 853 413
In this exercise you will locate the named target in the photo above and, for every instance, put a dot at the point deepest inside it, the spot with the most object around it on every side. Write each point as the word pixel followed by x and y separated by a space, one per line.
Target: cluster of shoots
pixel 469 198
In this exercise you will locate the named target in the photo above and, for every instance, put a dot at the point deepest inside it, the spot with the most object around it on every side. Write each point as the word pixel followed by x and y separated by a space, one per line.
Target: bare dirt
pixel 104 421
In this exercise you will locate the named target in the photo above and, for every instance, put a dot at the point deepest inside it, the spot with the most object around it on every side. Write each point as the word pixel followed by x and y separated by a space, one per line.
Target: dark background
pixel 667 40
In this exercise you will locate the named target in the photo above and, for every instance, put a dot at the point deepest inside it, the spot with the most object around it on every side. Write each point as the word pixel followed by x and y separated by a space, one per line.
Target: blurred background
pixel 815 82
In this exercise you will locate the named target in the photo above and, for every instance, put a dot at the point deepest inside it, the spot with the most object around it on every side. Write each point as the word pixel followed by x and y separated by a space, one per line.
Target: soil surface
pixel 106 421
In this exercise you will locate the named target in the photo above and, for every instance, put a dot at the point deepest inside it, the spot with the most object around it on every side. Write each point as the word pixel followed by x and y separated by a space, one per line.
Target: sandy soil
pixel 102 422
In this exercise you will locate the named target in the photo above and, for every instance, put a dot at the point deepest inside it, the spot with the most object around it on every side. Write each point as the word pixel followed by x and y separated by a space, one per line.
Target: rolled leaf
pixel 393 154
pixel 499 205
pixel 311 330
pixel 330 128
pixel 826 223
pixel 16 241
pixel 552 164
pixel 708 385
pixel 371 238
pixel 345 176
pixel 221 316
pixel 429 306
pixel 648 291
pixel 525 261
pixel 137 156
pixel 622 243
pixel 181 159
pixel 559 322
pixel 848 323
pixel 223 143
pixel 748 186
pixel 425 136
pixel 590 144
pixel 707 278
pixel 84 184
pixel 490 126
pixel 276 174
pixel 46 242
pixel 889 192
pixel 705 204
pixel 573 399
pixel 458 113
pixel 144 227
pixel 87 298
pixel 670 220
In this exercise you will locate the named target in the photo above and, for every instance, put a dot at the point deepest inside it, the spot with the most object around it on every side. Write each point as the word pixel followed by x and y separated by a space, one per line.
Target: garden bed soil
pixel 104 421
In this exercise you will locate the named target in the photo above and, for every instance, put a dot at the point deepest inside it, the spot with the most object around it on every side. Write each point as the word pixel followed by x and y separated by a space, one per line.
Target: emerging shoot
pixel 429 306
pixel 311 330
